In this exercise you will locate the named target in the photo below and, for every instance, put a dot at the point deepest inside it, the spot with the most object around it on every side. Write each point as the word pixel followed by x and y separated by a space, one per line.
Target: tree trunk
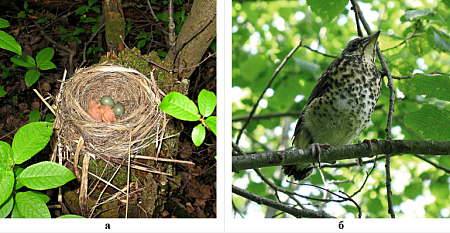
pixel 191 51
pixel 115 25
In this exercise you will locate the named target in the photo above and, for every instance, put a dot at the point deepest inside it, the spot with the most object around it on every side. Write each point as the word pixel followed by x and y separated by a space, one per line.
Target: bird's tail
pixel 300 172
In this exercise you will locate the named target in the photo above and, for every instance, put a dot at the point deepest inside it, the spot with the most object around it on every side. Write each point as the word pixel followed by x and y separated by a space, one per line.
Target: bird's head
pixel 363 46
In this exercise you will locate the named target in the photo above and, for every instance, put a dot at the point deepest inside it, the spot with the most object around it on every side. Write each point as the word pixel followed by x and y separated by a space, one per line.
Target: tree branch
pixel 330 155
pixel 298 213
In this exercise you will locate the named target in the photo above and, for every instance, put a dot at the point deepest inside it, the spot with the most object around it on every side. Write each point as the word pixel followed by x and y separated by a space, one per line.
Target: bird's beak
pixel 370 45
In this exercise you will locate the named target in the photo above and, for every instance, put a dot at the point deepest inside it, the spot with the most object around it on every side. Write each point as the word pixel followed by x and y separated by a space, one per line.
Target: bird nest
pixel 138 127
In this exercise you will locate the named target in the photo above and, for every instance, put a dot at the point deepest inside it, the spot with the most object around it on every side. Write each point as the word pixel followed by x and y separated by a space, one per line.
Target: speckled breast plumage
pixel 344 110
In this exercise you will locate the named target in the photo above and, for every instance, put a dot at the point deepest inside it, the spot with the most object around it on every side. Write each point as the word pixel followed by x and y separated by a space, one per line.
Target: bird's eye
pixel 352 46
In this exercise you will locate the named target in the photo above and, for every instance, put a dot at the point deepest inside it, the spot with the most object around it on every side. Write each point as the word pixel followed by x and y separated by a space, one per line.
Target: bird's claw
pixel 369 142
pixel 316 146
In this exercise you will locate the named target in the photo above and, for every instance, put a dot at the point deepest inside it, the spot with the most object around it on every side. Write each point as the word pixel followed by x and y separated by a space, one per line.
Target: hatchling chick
pixel 101 113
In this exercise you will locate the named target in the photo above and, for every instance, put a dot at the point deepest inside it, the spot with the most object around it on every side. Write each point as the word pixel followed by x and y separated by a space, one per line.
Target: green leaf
pixel 45 175
pixel 30 139
pixel 412 14
pixel 198 134
pixel 92 2
pixel 9 43
pixel 96 10
pixel 21 15
pixel 180 106
pixel 162 53
pixel 31 77
pixel 6 155
pixel 45 55
pixel 413 190
pixel 430 122
pixel 24 60
pixel 42 20
pixel 442 41
pixel 42 196
pixel 61 29
pixel 31 206
pixel 437 187
pixel 6 207
pixel 70 216
pixel 327 10
pixel 35 116
pixel 16 213
pixel 95 28
pixel 84 19
pixel 163 17
pixel 142 35
pixel 141 43
pixel 6 183
pixel 206 102
pixel 2 91
pixel 64 36
pixel 211 122
pixel 5 72
pixel 49 117
pixel 81 10
pixel 78 31
pixel 98 49
pixel 374 205
pixel 75 39
pixel 47 65
pixel 437 86
pixel 17 171
pixel 4 23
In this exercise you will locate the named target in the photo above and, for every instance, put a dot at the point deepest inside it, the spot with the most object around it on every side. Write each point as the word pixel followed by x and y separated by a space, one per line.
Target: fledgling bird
pixel 101 113
pixel 107 114
pixel 94 110
pixel 341 104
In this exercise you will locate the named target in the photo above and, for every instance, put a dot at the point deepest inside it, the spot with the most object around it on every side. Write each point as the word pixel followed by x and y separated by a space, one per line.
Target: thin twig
pixel 367 177
pixel 407 38
pixel 410 76
pixel 432 163
pixel 163 159
pixel 45 102
pixel 151 10
pixel 358 27
pixel 317 51
pixel 280 206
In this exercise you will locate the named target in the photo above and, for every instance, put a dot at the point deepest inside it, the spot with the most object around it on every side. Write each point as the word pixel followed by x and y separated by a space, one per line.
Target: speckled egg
pixel 118 109
pixel 107 101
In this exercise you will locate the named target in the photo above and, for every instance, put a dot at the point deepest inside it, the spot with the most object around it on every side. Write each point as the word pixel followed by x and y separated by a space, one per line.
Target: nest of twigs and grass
pixel 138 127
